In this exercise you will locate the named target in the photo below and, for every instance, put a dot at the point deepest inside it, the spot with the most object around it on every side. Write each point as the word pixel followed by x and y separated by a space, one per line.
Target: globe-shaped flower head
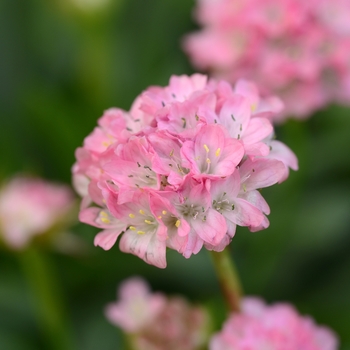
pixel 181 169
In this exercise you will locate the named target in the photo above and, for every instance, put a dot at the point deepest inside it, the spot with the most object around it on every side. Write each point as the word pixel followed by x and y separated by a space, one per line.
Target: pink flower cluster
pixel 30 207
pixel 297 49
pixel 182 169
pixel 155 321
pixel 277 327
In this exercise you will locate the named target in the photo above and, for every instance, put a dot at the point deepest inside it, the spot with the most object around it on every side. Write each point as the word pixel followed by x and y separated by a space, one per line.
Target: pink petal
pixel 146 246
pixel 213 229
pixel 107 238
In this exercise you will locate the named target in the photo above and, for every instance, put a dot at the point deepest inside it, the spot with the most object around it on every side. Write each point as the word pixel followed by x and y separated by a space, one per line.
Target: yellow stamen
pixel 171 153
pixel 177 223
pixel 131 215
pixel 164 212
pixel 148 222
pixel 132 228
pixel 253 107
pixel 208 161
pixel 206 148
pixel 217 153
pixel 141 212
pixel 141 232
pixel 105 220
pixel 244 188
pixel 159 217
pixel 104 214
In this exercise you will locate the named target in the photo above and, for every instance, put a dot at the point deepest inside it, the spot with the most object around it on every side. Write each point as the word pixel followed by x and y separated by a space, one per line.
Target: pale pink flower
pixel 30 207
pixel 157 322
pixel 157 173
pixel 136 306
pixel 293 48
pixel 277 327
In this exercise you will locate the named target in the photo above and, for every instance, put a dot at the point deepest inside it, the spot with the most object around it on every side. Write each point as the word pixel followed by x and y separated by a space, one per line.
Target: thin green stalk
pixel 47 299
pixel 228 278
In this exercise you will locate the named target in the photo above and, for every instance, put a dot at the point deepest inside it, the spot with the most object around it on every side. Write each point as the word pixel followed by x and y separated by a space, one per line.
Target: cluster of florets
pixel 276 327
pixel 30 207
pixel 297 49
pixel 156 322
pixel 182 169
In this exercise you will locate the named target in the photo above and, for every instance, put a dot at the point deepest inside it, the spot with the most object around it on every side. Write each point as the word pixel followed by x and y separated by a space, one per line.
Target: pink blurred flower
pixel 276 327
pixel 156 322
pixel 158 174
pixel 293 48
pixel 30 207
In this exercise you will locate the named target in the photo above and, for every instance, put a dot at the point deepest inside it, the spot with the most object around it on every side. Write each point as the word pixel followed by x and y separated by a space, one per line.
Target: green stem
pixel 228 278
pixel 47 298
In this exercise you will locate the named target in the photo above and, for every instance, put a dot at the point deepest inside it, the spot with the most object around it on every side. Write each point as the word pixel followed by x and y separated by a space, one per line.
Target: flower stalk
pixel 228 278
pixel 47 299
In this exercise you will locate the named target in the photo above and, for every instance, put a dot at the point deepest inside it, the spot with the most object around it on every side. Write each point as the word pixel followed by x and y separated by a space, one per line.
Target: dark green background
pixel 60 68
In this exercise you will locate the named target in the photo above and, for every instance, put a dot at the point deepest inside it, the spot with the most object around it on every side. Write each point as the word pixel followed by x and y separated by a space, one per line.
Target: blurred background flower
pixel 61 67
pixel 30 208
pixel 292 48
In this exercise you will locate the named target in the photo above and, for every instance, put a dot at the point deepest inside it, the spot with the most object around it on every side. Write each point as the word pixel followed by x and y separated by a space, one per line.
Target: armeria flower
pixel 157 174
pixel 277 327
pixel 155 322
pixel 293 48
pixel 30 207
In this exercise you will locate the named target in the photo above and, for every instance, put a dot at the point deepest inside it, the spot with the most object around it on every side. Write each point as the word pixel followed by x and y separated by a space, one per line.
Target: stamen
pixel 233 207
pixel 208 161
pixel 142 212
pixel 171 153
pixel 164 212
pixel 132 228
pixel 197 118
pixel 233 118
pixel 105 220
pixel 177 223
pixel 141 232
pixel 104 214
pixel 206 148
pixel 131 215
pixel 244 188
pixel 217 153
pixel 184 122
pixel 148 222
pixel 138 164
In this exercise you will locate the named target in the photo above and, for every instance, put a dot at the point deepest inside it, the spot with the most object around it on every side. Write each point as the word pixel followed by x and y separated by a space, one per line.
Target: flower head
pixel 30 207
pixel 157 322
pixel 181 170
pixel 276 327
pixel 293 48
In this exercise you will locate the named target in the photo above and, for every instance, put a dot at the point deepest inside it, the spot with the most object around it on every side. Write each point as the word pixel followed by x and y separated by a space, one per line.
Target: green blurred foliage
pixel 61 66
